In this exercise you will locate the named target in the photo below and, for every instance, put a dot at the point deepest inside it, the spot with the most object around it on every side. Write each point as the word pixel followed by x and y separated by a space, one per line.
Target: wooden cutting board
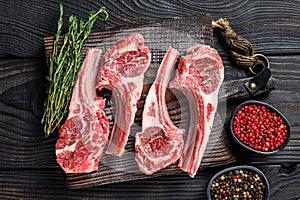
pixel 180 33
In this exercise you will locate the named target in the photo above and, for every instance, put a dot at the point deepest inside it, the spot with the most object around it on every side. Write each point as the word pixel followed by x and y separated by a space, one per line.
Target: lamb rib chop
pixel 84 134
pixel 199 76
pixel 160 143
pixel 122 71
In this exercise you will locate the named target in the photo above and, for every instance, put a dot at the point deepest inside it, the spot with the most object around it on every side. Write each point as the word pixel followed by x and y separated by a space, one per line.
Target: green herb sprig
pixel 65 62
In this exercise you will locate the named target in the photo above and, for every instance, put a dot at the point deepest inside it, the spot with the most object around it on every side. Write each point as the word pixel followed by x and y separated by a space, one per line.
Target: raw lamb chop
pixel 84 134
pixel 160 143
pixel 199 76
pixel 122 71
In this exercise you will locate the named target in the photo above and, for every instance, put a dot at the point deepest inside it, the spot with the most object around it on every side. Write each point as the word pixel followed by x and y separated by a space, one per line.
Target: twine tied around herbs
pixel 241 49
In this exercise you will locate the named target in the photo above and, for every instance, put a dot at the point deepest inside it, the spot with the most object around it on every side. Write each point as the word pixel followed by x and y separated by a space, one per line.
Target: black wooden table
pixel 28 169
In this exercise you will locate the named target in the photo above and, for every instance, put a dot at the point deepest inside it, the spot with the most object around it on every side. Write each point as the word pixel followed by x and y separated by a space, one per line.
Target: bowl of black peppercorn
pixel 238 182
pixel 259 127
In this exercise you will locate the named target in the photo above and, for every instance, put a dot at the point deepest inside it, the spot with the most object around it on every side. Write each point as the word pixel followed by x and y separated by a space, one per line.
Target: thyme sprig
pixel 65 62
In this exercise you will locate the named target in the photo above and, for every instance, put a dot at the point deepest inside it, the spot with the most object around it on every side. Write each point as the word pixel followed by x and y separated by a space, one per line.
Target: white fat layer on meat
pixel 131 47
pixel 68 148
pixel 180 82
pixel 213 99
pixel 135 94
pixel 85 89
pixel 152 101
pixel 83 106
pixel 159 160
pixel 155 114
pixel 127 92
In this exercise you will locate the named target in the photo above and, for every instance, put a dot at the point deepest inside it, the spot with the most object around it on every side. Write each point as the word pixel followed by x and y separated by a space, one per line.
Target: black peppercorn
pixel 238 184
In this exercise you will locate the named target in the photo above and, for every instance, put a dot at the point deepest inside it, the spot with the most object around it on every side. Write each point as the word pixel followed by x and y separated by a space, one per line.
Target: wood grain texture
pixel 27 161
pixel 286 98
pixel 21 107
pixel 22 95
pixel 49 184
pixel 159 36
pixel 252 19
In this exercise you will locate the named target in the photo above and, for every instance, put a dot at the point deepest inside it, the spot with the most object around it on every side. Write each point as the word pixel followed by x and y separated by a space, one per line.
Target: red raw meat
pixel 122 71
pixel 84 134
pixel 161 142
pixel 199 76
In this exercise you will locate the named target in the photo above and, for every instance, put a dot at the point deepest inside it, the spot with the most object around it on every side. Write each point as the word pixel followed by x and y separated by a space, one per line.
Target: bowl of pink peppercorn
pixel 259 127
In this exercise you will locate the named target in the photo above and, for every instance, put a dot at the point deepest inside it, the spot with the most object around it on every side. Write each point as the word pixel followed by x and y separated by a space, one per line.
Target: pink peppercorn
pixel 259 127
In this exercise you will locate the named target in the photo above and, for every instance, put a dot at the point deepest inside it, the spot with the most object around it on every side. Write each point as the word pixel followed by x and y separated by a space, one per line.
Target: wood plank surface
pixel 23 31
pixel 27 159
pixel 158 36
pixel 21 131
pixel 49 184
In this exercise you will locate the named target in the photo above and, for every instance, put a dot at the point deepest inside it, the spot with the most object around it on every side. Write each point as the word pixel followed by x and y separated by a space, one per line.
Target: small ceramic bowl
pixel 239 184
pixel 272 110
